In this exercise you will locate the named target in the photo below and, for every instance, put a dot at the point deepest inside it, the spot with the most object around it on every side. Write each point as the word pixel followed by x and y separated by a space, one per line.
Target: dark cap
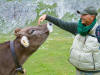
pixel 89 10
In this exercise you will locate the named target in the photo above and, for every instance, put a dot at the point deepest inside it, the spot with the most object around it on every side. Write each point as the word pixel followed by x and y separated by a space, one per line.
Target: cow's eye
pixel 31 31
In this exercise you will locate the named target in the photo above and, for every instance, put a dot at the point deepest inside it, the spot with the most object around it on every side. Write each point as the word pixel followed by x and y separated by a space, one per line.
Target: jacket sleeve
pixel 68 26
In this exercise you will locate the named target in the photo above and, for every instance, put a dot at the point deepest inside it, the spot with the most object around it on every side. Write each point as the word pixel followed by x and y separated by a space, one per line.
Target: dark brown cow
pixel 34 37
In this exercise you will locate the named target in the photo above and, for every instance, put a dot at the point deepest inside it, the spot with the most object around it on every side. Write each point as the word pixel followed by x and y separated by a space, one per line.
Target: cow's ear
pixel 17 30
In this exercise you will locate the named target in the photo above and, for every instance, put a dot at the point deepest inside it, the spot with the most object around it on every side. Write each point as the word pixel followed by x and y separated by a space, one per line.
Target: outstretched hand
pixel 42 18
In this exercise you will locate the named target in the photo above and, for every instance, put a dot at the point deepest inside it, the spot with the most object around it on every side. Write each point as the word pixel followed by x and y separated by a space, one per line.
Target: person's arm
pixel 68 26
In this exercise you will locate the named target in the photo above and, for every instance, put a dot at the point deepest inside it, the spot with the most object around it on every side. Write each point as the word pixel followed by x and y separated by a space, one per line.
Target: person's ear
pixel 93 16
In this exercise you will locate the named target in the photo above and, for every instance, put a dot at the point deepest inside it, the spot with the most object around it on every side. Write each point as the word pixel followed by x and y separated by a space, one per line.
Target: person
pixel 85 51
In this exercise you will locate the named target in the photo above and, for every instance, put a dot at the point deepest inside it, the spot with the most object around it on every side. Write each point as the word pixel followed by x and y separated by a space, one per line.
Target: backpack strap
pixel 97 33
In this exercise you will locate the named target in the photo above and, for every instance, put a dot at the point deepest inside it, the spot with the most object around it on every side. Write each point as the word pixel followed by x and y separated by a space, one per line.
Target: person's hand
pixel 42 18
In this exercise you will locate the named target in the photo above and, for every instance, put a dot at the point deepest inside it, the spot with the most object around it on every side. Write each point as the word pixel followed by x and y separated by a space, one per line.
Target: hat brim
pixel 81 12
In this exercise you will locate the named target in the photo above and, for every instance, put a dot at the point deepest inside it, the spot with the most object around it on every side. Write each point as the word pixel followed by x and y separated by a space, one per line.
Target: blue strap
pixel 97 33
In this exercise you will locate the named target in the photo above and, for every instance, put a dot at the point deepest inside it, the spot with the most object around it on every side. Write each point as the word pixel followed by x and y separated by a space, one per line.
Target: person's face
pixel 87 19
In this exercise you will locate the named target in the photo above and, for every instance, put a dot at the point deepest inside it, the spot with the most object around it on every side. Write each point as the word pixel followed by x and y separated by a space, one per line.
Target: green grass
pixel 52 57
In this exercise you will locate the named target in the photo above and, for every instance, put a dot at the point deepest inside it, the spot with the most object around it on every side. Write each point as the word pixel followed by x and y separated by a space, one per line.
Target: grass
pixel 52 57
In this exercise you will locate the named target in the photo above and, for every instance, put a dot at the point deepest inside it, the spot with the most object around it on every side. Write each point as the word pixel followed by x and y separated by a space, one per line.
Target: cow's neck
pixel 20 51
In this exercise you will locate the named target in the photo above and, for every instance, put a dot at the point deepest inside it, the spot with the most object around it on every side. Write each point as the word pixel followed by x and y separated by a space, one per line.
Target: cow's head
pixel 32 37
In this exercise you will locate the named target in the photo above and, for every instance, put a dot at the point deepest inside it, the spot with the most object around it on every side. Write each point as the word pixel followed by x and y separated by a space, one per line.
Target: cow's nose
pixel 50 26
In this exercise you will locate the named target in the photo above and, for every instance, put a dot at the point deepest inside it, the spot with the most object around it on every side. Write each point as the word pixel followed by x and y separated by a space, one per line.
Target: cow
pixel 15 52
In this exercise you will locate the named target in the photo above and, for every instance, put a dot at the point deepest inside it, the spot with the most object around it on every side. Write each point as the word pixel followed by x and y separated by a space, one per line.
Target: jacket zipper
pixel 85 40
pixel 93 61
pixel 92 55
